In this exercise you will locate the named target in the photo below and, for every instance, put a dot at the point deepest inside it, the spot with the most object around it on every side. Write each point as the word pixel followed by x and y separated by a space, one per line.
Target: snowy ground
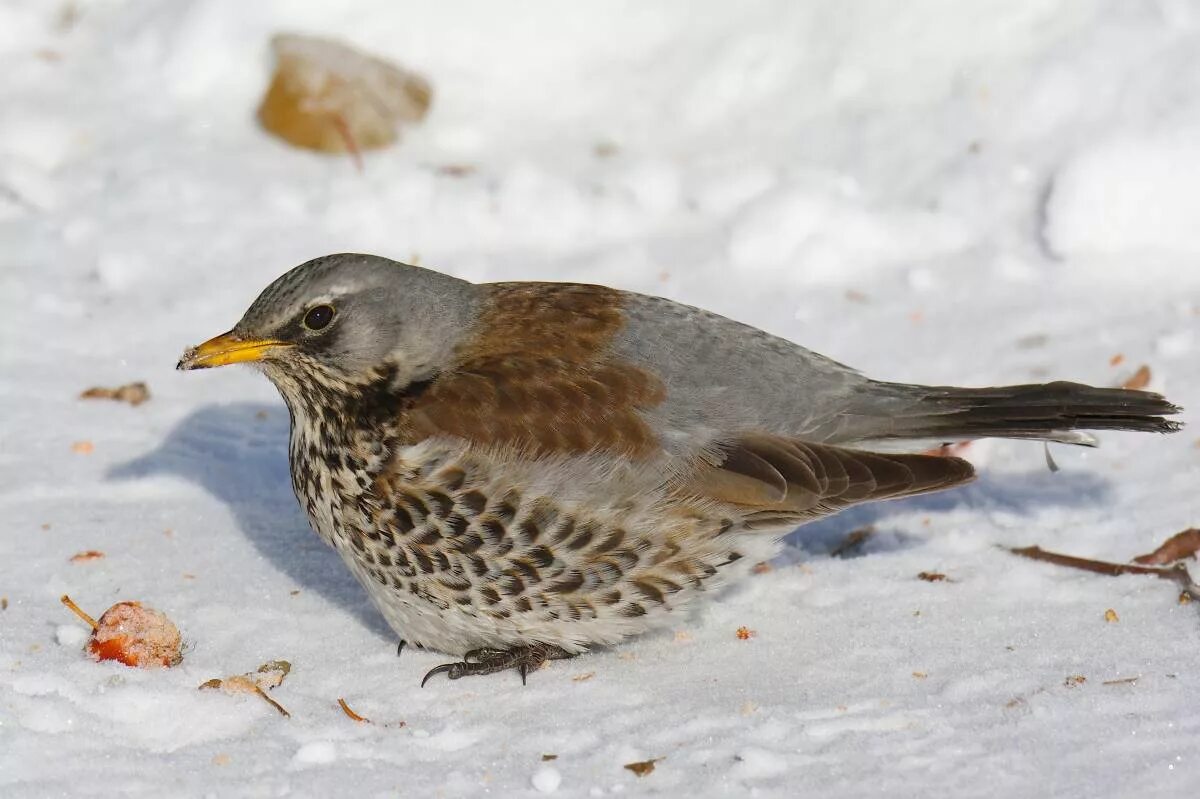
pixel 931 191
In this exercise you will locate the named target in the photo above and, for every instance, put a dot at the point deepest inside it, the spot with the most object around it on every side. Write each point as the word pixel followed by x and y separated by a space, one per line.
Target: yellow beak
pixel 226 349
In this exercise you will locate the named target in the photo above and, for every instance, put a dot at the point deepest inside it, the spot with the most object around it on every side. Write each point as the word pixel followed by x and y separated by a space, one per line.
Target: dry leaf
pixel 133 393
pixel 642 767
pixel 920 675
pixel 1139 379
pixel 456 170
pixel 1074 680
pixel 745 633
pixel 931 577
pixel 1182 545
pixel 86 555
pixel 269 675
pixel 1111 616
pixel 330 97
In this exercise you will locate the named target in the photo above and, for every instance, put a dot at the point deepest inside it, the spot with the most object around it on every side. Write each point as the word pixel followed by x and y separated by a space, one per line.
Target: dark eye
pixel 318 317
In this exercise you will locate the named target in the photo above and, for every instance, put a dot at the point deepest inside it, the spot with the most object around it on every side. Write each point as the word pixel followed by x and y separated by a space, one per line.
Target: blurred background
pixel 811 167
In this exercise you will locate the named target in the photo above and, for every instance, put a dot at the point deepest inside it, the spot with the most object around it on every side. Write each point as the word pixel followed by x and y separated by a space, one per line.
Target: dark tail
pixel 1057 411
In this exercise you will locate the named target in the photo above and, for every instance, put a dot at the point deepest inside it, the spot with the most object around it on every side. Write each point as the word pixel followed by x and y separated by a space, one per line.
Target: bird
pixel 519 472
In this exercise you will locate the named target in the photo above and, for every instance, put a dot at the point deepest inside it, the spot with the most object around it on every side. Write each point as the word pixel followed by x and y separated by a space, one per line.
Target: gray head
pixel 342 318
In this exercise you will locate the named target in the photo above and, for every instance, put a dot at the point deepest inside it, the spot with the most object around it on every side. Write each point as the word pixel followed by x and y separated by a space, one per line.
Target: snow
pixel 1127 196
pixel 932 191
pixel 546 779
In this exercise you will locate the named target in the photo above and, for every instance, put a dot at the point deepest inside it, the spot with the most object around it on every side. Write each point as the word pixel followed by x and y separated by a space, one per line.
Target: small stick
pixel 346 709
pixel 258 690
pixel 78 611
pixel 1177 574
pixel 1123 681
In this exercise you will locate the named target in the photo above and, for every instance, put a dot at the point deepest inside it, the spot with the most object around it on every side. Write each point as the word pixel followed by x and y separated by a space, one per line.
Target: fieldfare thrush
pixel 520 471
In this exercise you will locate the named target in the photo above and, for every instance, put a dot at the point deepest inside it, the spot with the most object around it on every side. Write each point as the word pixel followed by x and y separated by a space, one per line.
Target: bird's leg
pixel 488 660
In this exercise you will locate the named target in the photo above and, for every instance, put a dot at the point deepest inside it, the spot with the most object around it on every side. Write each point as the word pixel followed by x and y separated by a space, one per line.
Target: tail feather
pixel 1056 411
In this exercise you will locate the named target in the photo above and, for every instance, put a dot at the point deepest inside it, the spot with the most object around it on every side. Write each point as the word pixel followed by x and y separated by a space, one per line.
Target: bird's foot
pixel 488 660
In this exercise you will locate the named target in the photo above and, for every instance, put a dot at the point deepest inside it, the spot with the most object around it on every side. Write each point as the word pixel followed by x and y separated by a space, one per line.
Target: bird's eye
pixel 318 317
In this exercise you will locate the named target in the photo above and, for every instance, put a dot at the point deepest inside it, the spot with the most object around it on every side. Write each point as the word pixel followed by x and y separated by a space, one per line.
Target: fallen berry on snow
pixel 132 634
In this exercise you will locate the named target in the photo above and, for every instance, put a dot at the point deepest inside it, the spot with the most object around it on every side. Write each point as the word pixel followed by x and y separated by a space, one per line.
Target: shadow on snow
pixel 239 454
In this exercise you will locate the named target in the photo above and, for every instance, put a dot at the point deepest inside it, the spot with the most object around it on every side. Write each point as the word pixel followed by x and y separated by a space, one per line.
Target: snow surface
pixel 973 193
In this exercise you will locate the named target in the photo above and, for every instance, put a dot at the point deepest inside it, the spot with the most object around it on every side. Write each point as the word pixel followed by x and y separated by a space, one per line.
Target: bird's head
pixel 343 320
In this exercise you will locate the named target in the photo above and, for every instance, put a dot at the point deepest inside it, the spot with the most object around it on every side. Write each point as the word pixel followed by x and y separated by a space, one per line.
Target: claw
pixel 452 670
pixel 400 647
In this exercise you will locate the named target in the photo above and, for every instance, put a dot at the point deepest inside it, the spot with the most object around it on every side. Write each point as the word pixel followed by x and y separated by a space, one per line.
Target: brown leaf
pixel 1184 544
pixel 133 393
pixel 643 767
pixel 1139 379
pixel 745 633
pixel 456 170
pixel 1074 680
pixel 86 555
pixel 931 577
pixel 328 96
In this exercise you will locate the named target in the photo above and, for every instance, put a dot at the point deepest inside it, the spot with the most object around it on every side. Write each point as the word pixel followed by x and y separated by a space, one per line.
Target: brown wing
pixel 779 481
pixel 537 373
